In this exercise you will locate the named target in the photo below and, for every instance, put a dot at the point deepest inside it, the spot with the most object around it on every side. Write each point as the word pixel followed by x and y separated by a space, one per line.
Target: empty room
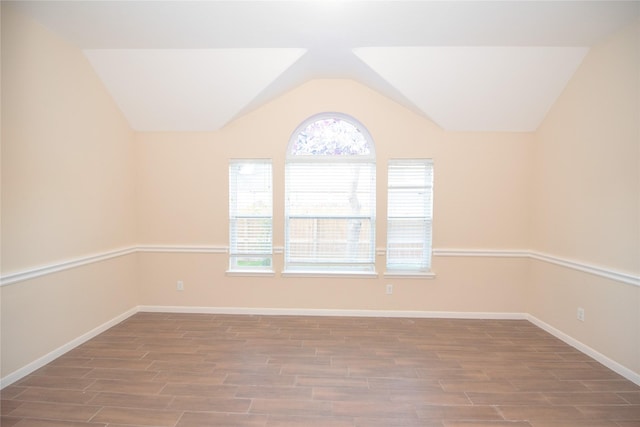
pixel 320 213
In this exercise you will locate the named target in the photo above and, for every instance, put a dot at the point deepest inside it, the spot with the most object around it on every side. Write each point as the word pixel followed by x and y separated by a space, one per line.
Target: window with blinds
pixel 409 215
pixel 330 193
pixel 250 215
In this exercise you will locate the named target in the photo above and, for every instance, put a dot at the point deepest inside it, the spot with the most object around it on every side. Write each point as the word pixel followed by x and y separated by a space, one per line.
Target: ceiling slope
pixel 187 89
pixel 478 88
pixel 466 65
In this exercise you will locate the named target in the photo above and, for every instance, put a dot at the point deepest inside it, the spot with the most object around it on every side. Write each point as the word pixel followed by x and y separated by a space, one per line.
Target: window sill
pixel 409 275
pixel 347 274
pixel 264 273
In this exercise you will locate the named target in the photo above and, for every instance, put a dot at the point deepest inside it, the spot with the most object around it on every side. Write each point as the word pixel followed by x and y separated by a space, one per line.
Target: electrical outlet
pixel 180 285
pixel 580 314
pixel 389 289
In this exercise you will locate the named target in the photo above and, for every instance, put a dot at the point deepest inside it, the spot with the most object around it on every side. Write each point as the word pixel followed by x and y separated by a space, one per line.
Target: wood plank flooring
pixel 192 370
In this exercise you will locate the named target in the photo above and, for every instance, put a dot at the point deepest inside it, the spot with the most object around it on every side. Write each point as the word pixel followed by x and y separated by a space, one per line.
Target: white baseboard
pixel 42 361
pixel 333 312
pixel 609 363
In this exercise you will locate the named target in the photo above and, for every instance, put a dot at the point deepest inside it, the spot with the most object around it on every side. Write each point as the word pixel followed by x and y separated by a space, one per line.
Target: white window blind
pixel 250 215
pixel 330 215
pixel 409 215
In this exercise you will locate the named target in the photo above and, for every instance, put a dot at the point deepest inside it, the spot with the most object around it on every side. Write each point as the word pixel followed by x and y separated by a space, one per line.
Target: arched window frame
pixel 370 157
pixel 353 233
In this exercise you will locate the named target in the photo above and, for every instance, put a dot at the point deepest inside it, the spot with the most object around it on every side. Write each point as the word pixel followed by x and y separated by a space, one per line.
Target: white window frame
pixel 254 254
pixel 337 267
pixel 409 177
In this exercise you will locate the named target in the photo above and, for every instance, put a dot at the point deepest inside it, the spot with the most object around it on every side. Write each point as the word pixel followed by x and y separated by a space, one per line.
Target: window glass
pixel 330 136
pixel 330 197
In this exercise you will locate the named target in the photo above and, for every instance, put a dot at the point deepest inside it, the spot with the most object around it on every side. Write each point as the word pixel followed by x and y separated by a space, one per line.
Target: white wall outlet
pixel 580 314
pixel 389 289
pixel 180 285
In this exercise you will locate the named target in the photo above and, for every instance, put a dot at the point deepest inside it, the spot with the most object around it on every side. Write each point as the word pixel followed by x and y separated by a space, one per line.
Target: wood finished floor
pixel 192 370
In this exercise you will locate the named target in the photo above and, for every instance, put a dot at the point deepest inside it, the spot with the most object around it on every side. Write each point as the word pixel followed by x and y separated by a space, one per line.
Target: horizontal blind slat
pixel 250 214
pixel 330 213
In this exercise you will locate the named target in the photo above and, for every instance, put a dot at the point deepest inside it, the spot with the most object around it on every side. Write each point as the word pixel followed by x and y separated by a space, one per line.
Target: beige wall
pixel 67 191
pixel 481 202
pixel 67 168
pixel 464 285
pixel 481 179
pixel 587 201
pixel 41 315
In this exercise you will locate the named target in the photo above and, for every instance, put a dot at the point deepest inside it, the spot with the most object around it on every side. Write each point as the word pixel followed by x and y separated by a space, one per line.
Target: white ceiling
pixel 466 65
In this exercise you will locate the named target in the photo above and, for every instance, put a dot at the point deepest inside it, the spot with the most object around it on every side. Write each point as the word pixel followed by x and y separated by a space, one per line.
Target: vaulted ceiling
pixel 466 65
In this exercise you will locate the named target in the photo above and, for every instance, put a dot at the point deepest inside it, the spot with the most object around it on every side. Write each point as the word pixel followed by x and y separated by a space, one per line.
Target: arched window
pixel 330 193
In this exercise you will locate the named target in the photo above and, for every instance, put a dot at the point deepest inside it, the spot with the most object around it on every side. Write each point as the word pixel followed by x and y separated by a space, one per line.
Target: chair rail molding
pixel 42 270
